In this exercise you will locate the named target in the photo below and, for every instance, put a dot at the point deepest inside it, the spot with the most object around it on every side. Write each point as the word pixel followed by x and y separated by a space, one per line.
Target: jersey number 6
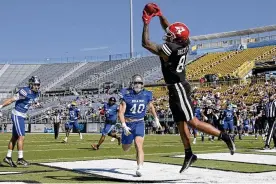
pixel 181 64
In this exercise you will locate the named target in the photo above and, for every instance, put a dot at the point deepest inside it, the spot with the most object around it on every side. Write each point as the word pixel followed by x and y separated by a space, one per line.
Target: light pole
pixel 66 56
pixel 131 29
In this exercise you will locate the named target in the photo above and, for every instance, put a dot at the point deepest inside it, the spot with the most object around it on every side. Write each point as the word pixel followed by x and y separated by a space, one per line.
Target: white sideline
pixel 4 173
pixel 125 170
pixel 267 151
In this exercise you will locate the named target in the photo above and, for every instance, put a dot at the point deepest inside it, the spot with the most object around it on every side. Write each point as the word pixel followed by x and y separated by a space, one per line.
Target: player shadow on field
pixel 86 149
pixel 254 148
pixel 82 178
pixel 112 170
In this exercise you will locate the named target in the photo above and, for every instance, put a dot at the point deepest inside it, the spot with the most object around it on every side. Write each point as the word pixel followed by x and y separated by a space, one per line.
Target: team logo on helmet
pixel 177 31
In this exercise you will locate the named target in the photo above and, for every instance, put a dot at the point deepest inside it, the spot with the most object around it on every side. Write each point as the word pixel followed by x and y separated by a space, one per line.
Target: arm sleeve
pixel 166 49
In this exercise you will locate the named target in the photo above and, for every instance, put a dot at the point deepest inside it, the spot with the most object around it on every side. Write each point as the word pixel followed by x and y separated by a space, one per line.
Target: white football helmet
pixel 137 83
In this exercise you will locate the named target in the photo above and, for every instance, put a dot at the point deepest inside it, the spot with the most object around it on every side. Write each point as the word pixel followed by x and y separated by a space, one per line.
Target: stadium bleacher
pixel 94 71
pixel 124 74
pixel 80 71
pixel 14 75
pixel 49 72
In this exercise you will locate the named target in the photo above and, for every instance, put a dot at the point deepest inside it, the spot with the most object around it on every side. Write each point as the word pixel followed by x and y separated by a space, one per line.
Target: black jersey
pixel 174 69
pixel 208 112
pixel 261 110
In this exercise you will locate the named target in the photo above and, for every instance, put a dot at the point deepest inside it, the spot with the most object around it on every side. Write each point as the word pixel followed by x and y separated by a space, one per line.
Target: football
pixel 150 8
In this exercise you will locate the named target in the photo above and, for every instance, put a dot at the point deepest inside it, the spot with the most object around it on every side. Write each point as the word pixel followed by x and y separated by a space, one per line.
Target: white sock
pixel 9 154
pixel 65 139
pixel 139 166
pixel 20 154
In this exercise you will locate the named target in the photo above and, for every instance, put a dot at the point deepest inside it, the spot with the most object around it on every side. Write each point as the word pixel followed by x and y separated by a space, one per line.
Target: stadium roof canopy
pixel 234 33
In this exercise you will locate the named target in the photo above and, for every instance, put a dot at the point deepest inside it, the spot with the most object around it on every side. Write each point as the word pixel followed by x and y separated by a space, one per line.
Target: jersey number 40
pixel 137 108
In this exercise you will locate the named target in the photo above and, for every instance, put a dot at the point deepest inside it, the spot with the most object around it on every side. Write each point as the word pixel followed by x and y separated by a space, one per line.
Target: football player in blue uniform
pixel 110 110
pixel 228 119
pixel 199 114
pixel 132 110
pixel 23 99
pixel 74 115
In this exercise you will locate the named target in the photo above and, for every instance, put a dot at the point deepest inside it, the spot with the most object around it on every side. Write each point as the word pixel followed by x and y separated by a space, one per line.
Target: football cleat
pixel 188 162
pixel 112 139
pixel 95 147
pixel 22 161
pixel 64 140
pixel 230 143
pixel 139 171
pixel 266 148
pixel 9 161
pixel 202 138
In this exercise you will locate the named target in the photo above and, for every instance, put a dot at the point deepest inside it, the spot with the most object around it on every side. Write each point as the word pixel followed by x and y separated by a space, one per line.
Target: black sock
pixel 188 152
pixel 223 136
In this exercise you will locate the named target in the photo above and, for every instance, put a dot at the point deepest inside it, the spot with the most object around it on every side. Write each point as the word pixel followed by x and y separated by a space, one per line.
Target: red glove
pixel 158 11
pixel 146 18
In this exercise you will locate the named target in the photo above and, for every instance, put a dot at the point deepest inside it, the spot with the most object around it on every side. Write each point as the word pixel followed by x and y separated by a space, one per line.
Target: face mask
pixel 137 87
pixel 35 87
pixel 111 103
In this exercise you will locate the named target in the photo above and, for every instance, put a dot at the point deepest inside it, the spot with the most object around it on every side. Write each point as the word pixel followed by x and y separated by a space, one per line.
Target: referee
pixel 57 121
pixel 270 112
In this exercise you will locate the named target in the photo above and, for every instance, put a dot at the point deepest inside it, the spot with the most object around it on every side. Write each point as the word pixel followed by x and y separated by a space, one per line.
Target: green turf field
pixel 43 148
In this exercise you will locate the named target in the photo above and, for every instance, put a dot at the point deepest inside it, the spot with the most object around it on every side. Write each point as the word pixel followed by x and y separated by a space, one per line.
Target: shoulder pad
pixel 149 94
pixel 123 92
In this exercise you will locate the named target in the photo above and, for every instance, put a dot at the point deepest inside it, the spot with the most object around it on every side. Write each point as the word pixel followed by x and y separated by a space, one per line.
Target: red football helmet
pixel 177 31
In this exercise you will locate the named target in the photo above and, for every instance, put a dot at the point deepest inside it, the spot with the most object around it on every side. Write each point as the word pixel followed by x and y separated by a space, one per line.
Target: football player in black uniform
pixel 260 123
pixel 208 112
pixel 173 60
